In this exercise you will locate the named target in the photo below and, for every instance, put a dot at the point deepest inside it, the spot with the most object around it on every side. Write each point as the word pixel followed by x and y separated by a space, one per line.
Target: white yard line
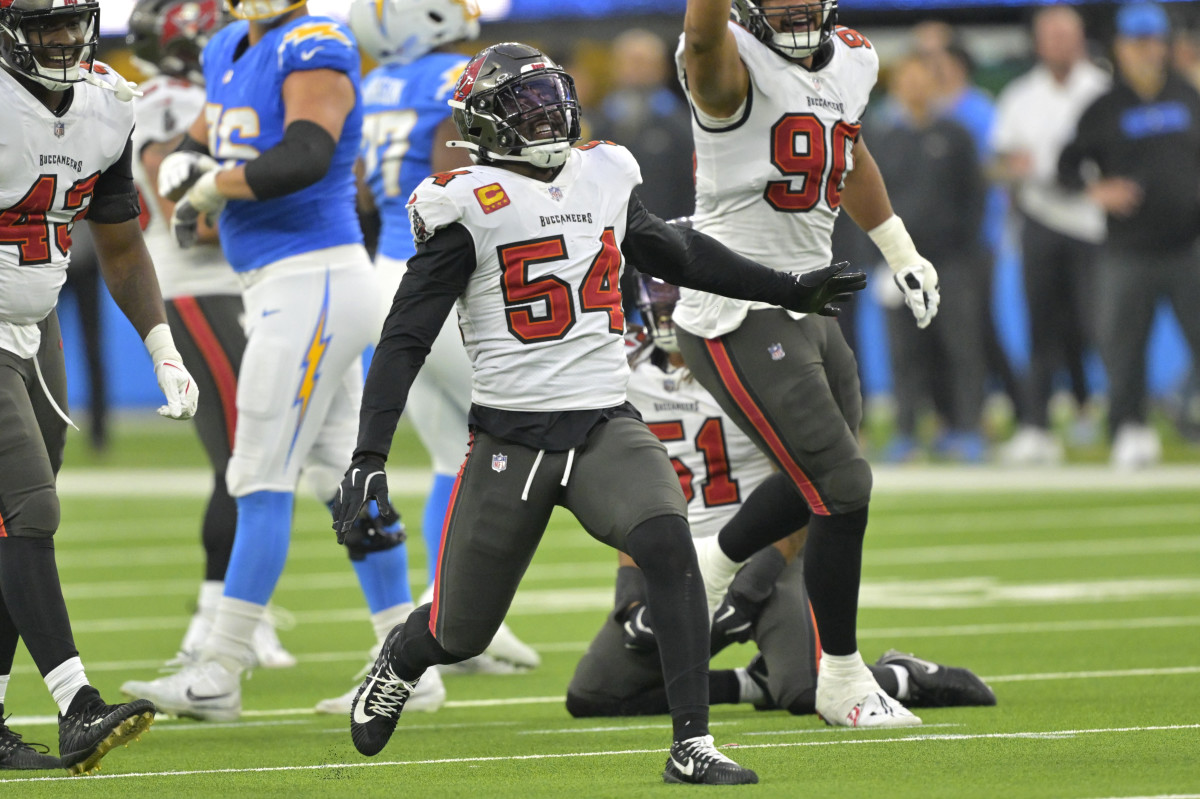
pixel 887 480
pixel 1030 735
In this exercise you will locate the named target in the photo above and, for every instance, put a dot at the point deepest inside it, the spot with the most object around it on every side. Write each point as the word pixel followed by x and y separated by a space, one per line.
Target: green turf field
pixel 1078 606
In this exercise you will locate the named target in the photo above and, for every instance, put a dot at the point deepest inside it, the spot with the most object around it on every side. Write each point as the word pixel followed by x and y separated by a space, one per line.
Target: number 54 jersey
pixel 768 181
pixel 541 315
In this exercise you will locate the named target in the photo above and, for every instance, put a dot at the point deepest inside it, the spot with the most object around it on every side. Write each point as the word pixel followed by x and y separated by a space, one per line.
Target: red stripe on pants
pixel 437 582
pixel 214 357
pixel 733 384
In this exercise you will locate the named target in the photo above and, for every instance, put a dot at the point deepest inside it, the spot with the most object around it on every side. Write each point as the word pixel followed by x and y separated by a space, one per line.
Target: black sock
pixel 724 688
pixel 33 596
pixel 773 511
pixel 8 640
pixel 220 523
pixel 83 697
pixel 663 547
pixel 418 649
pixel 832 571
pixel 887 679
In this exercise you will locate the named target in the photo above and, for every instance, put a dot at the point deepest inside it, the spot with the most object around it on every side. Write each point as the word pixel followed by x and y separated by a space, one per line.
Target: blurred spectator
pixel 83 282
pixel 1142 141
pixel 936 183
pixel 1185 54
pixel 972 107
pixel 644 114
pixel 1062 230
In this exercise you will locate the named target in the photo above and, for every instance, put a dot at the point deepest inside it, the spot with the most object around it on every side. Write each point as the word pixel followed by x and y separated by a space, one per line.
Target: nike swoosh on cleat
pixel 194 697
pixel 94 723
pixel 739 628
pixel 684 770
pixel 360 707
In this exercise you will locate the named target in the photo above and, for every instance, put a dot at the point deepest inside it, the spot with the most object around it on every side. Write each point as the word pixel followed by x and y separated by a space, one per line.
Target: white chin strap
pixel 544 156
pixel 791 44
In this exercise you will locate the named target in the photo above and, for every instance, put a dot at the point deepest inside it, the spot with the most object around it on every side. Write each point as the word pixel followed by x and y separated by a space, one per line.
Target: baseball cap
pixel 1142 19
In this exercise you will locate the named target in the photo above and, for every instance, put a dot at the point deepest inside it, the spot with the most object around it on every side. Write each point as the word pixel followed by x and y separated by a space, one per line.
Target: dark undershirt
pixel 115 198
pixel 440 272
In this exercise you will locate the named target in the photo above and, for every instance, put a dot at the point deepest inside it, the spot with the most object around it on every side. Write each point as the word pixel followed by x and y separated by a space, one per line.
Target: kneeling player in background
pixel 718 465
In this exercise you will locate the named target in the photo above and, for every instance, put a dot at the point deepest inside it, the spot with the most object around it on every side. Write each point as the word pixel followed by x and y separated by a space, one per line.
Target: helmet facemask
pixel 263 10
pixel 32 42
pixel 793 31
pixel 656 302
pixel 530 117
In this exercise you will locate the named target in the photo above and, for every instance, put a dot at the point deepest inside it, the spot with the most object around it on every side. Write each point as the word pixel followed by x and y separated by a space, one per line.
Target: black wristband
pixel 301 159
pixel 190 145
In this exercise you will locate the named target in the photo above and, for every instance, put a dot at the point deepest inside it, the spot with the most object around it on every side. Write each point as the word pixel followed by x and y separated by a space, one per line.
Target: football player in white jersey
pixel 781 79
pixel 530 244
pixel 65 153
pixel 406 125
pixel 203 296
pixel 718 466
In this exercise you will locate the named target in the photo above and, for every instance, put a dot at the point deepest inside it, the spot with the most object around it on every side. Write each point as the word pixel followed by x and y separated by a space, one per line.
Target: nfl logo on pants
pixel 499 463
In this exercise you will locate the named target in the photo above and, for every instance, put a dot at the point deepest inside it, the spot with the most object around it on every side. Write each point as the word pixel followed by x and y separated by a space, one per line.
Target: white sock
pixel 231 641
pixel 386 619
pixel 211 592
pixel 901 680
pixel 844 668
pixel 748 690
pixel 3 686
pixel 64 681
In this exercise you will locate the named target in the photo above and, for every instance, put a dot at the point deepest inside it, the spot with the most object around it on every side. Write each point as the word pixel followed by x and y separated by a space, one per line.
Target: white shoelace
pixel 390 696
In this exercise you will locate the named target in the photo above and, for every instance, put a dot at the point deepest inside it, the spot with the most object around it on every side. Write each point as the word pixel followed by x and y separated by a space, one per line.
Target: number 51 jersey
pixel 768 183
pixel 541 315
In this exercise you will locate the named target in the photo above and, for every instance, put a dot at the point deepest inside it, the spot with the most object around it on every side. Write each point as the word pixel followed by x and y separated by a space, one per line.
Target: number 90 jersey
pixel 245 115
pixel 541 314
pixel 717 464
pixel 403 106
pixel 768 183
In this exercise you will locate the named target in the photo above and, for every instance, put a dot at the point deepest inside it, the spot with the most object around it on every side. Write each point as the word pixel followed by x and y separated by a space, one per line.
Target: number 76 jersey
pixel 541 314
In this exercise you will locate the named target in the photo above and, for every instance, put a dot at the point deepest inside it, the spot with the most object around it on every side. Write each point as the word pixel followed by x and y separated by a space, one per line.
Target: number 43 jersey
pixel 49 167
pixel 541 315
pixel 768 181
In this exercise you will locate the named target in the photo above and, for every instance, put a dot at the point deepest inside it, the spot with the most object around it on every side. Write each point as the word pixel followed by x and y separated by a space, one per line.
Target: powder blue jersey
pixel 404 104
pixel 245 115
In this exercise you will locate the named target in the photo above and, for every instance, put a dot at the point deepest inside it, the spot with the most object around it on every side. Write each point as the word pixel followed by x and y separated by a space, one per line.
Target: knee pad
pixel 848 485
pixel 36 516
pixel 370 534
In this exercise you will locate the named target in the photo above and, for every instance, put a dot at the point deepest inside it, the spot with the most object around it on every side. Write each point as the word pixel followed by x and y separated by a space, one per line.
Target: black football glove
pixel 364 480
pixel 821 290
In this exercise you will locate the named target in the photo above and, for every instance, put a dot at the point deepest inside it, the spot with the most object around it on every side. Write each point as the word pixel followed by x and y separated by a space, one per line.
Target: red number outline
pixel 719 488
pixel 25 224
pixel 601 288
pixel 673 431
pixel 808 167
pixel 521 292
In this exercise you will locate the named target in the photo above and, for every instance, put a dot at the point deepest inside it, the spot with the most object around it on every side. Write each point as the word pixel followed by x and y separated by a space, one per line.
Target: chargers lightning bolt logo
pixel 312 365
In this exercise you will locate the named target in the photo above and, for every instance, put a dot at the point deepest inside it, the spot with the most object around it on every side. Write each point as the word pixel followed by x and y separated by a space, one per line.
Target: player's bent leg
pixel 923 683
pixel 614 680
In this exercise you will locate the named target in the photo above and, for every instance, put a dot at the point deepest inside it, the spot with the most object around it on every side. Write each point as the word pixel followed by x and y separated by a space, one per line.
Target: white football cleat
pixel 428 696
pixel 1136 446
pixel 507 648
pixel 872 708
pixel 205 691
pixel 1032 446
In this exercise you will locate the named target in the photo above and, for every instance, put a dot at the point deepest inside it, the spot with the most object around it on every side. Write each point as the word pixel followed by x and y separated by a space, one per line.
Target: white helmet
pixel 401 31
pixel 263 9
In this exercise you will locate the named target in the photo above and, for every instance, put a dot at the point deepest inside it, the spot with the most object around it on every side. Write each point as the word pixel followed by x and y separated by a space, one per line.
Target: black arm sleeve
pixel 435 278
pixel 190 145
pixel 115 198
pixel 689 258
pixel 298 161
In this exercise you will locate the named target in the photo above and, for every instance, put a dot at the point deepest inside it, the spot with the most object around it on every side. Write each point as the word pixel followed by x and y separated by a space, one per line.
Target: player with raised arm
pixel 782 79
pixel 530 243
pixel 718 466
pixel 203 296
pixel 65 154
pixel 274 155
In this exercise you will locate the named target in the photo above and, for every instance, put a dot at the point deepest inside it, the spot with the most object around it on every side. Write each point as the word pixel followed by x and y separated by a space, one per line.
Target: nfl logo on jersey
pixel 60 130
pixel 499 462
pixel 556 194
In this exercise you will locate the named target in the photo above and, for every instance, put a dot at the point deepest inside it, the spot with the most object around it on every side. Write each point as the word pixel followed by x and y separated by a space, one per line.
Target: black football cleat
pixel 15 754
pixel 379 700
pixel 933 685
pixel 698 762
pixel 95 729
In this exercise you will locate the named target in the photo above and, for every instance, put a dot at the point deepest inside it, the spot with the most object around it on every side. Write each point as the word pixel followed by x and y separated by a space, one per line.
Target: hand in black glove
pixel 364 480
pixel 820 290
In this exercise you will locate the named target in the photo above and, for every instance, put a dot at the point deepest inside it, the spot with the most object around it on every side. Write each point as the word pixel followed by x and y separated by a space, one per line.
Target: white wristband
pixel 893 241
pixel 161 345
